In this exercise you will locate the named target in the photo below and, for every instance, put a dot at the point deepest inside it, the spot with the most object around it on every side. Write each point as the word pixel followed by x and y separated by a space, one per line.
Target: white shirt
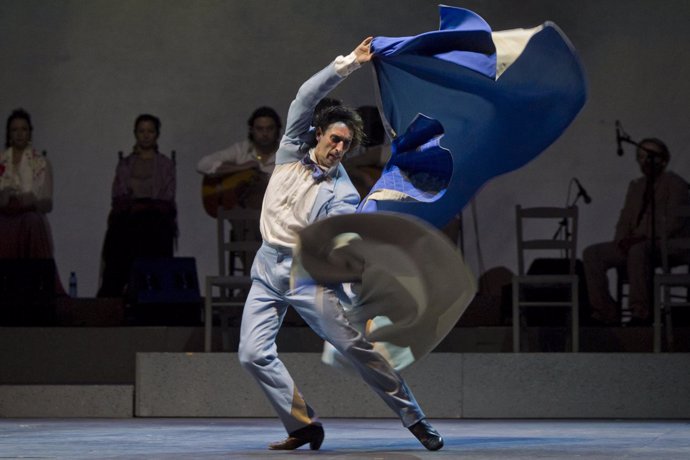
pixel 292 191
pixel 237 153
pixel 31 181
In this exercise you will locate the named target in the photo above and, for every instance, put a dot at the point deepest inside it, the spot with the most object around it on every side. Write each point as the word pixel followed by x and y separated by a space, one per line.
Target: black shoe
pixel 312 434
pixel 427 435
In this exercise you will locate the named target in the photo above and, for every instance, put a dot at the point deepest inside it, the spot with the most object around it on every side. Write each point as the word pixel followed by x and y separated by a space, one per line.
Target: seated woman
pixel 26 194
pixel 142 221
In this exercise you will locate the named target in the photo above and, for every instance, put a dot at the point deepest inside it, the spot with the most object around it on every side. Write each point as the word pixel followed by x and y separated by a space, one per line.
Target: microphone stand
pixel 563 224
pixel 651 190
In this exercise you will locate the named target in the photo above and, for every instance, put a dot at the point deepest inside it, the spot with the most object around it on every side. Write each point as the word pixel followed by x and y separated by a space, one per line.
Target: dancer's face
pixel 332 144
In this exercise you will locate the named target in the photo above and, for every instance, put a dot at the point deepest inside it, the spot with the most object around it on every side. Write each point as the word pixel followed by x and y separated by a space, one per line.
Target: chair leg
pixel 576 316
pixel 516 317
pixel 669 328
pixel 225 330
pixel 657 315
pixel 208 317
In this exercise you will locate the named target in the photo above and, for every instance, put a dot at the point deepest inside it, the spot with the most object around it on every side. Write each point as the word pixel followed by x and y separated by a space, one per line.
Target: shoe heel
pixel 315 444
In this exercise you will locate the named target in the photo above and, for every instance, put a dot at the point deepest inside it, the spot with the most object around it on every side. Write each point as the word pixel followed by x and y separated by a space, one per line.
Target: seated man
pixel 238 175
pixel 630 249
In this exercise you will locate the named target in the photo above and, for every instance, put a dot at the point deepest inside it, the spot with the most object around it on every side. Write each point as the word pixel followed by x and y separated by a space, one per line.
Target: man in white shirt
pixel 254 155
pixel 309 184
pixel 258 150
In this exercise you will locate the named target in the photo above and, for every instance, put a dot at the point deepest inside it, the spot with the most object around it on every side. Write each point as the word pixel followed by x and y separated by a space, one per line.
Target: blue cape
pixel 457 125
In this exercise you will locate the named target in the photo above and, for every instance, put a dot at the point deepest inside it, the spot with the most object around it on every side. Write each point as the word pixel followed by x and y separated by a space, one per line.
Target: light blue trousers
pixel 263 314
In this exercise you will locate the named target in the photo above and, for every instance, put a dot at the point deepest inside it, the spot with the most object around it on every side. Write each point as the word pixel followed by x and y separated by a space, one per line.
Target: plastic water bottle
pixel 73 284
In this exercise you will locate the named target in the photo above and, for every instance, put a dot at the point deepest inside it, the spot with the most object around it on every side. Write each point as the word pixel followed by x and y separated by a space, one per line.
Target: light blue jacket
pixel 337 195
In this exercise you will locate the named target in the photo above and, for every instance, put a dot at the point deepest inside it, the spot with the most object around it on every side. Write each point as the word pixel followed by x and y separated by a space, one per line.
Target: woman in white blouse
pixel 26 194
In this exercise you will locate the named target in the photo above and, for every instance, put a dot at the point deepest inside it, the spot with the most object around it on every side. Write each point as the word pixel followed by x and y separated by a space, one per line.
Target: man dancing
pixel 309 184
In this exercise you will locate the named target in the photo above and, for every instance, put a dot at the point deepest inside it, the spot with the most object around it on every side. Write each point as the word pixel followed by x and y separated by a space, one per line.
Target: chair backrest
pixel 675 249
pixel 533 227
pixel 238 237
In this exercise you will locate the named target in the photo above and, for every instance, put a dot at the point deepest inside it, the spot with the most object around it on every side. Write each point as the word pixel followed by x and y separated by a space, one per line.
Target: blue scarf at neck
pixel 316 173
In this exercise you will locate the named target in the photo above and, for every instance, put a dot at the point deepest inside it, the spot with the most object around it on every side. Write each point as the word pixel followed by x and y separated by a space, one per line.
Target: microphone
pixel 618 139
pixel 582 192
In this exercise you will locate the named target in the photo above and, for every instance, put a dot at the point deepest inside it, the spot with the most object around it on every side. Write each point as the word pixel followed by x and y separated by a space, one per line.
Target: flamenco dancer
pixel 309 184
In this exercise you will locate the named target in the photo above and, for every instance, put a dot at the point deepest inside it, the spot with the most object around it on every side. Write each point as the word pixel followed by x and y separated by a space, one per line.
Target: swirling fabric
pixel 499 100
pixel 463 105
pixel 406 283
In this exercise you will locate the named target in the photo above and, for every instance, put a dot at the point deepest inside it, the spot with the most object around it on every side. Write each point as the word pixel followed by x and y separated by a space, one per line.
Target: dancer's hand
pixel 363 51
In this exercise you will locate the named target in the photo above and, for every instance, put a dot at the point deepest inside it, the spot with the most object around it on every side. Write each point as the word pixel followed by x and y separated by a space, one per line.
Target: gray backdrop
pixel 85 69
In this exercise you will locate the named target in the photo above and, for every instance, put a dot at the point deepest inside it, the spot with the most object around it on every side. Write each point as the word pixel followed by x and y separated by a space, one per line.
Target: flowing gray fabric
pixel 406 283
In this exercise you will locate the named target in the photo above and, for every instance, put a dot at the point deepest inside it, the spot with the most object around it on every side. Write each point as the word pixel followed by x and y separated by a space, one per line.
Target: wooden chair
pixel 564 246
pixel 674 251
pixel 622 293
pixel 238 241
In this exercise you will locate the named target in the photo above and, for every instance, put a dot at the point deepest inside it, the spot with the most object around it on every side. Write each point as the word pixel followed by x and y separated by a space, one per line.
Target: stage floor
pixel 378 439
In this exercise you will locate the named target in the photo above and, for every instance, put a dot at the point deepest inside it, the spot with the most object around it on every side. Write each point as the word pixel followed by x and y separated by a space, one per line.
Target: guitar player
pixel 238 175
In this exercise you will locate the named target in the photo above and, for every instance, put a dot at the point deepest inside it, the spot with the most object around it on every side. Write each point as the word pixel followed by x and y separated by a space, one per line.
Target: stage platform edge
pixel 66 401
pixel 447 385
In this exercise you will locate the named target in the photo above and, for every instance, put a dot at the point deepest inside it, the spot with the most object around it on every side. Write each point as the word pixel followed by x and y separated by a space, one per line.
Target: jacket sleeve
pixel 345 197
pixel 302 107
pixel 211 162
pixel 678 195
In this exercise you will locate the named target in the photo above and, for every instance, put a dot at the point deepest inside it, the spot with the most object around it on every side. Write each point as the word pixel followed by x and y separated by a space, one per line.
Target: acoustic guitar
pixel 243 189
